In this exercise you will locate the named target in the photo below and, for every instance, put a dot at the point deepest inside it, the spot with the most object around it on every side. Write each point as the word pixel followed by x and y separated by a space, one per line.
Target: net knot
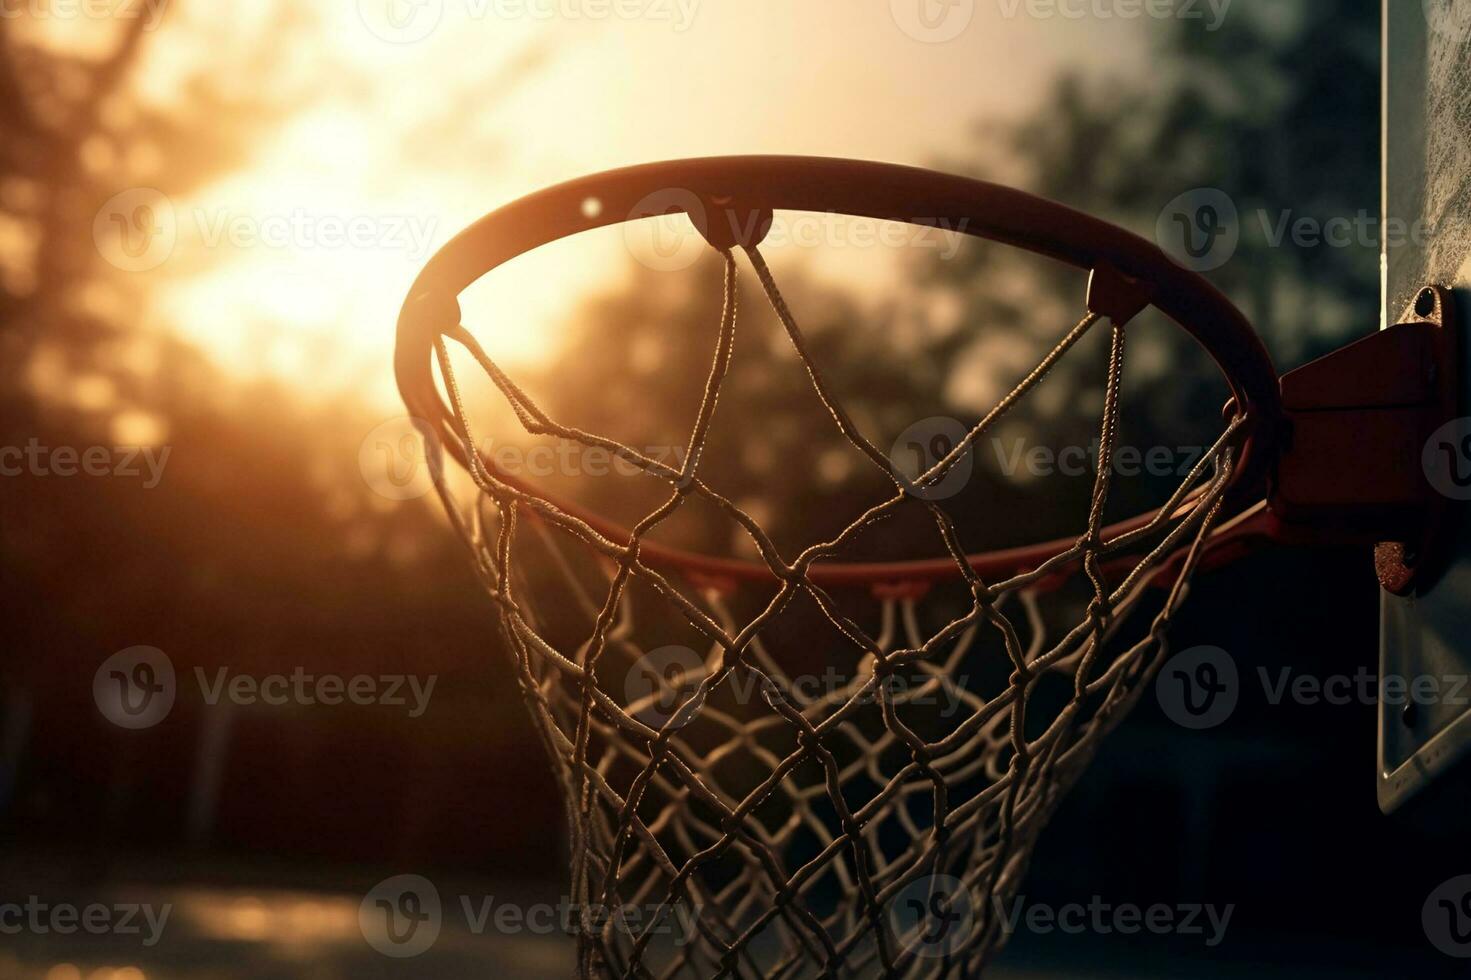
pixel 984 595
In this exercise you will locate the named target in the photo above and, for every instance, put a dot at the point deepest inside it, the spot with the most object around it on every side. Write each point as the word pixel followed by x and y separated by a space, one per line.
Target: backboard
pixel 1426 637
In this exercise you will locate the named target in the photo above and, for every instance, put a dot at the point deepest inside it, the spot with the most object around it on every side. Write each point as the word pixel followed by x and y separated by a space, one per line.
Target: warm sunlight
pixel 293 264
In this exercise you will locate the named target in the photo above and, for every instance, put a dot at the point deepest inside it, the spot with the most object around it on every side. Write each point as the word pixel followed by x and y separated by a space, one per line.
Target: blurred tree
pixel 79 130
pixel 1276 108
pixel 261 548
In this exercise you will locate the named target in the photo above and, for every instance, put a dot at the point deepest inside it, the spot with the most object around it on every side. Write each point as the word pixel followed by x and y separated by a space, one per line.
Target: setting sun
pixel 292 263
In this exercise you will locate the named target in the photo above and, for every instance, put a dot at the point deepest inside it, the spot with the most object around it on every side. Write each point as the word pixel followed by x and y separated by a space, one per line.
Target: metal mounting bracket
pixel 1357 422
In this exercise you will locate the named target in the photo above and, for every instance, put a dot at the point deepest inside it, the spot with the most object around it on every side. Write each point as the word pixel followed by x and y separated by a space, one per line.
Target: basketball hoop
pixel 788 833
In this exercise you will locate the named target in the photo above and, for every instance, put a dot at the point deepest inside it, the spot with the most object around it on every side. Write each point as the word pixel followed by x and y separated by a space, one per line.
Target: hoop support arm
pixel 1356 421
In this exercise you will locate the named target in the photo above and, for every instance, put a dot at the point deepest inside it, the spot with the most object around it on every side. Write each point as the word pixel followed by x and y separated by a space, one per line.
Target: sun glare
pixel 293 265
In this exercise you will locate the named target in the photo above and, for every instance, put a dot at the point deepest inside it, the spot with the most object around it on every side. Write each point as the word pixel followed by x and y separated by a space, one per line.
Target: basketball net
pixel 876 826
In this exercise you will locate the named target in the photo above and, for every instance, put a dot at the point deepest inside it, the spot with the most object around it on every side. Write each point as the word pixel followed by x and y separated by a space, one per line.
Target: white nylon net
pixel 728 818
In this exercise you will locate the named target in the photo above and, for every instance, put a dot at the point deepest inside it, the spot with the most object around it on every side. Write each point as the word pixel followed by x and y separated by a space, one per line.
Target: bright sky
pixel 425 114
